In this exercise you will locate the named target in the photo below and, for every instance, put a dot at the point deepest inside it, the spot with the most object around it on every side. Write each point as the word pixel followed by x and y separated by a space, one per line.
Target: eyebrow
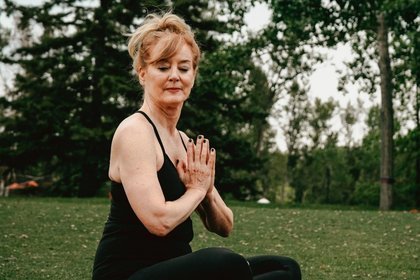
pixel 166 60
pixel 185 61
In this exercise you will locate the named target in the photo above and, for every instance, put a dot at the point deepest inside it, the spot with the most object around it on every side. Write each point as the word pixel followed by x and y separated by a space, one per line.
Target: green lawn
pixel 50 238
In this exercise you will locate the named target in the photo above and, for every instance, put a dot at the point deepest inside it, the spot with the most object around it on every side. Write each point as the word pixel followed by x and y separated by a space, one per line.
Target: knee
pixel 229 256
pixel 292 263
pixel 269 263
pixel 294 267
pixel 222 257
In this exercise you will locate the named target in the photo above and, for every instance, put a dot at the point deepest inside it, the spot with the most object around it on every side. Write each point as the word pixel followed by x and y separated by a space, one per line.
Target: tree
pixel 306 129
pixel 295 113
pixel 289 41
pixel 70 92
pixel 378 25
pixel 349 117
pixel 406 45
pixel 387 118
pixel 231 101
pixel 366 25
pixel 406 192
pixel 74 87
pixel 224 104
pixel 368 158
pixel 320 115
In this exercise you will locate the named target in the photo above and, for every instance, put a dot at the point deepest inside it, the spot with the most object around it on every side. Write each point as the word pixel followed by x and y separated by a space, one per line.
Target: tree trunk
pixel 387 129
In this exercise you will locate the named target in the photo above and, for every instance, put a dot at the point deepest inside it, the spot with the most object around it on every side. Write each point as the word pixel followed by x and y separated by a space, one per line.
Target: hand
pixel 206 145
pixel 199 171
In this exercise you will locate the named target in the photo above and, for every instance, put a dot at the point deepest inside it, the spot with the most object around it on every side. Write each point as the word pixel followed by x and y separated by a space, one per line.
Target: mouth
pixel 174 90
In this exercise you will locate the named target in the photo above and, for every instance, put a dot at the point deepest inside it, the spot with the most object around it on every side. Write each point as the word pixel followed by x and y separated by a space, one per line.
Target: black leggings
pixel 220 264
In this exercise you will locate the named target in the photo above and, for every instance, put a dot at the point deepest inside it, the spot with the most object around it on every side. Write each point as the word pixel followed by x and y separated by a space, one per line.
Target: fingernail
pixel 204 141
pixel 200 136
pixel 212 149
pixel 190 140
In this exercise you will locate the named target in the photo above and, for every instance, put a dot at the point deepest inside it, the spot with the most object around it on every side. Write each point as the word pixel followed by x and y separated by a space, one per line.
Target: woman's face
pixel 169 81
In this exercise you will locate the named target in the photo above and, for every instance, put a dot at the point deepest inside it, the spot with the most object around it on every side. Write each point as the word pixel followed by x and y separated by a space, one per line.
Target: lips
pixel 173 89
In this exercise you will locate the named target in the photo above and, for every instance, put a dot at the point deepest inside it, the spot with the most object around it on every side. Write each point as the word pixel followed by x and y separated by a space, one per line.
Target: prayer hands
pixel 199 171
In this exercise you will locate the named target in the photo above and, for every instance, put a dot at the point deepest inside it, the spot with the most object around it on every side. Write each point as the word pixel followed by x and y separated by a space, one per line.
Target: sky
pixel 323 82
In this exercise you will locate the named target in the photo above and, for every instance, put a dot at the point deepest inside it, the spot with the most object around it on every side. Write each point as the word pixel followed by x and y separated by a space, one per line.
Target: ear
pixel 141 75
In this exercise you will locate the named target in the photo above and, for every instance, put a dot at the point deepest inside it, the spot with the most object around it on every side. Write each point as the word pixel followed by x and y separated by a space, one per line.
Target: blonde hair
pixel 168 29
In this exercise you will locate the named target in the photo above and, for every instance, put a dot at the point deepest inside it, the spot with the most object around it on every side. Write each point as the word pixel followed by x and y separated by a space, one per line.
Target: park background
pixel 72 84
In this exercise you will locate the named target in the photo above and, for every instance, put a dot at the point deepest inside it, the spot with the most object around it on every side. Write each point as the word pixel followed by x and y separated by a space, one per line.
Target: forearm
pixel 173 213
pixel 216 216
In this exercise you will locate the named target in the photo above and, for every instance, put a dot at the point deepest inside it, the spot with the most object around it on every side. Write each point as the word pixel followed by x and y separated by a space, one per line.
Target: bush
pixel 366 194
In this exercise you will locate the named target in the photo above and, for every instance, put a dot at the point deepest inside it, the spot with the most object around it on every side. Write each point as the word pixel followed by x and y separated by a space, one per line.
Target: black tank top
pixel 126 245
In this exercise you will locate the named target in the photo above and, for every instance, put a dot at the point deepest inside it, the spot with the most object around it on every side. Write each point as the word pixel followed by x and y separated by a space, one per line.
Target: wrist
pixel 198 191
pixel 209 198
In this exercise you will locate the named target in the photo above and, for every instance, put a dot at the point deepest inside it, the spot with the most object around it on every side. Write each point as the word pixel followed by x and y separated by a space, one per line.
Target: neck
pixel 165 117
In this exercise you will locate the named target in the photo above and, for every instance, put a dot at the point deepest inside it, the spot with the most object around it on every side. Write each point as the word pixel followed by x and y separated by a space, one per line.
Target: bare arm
pixel 134 151
pixel 213 211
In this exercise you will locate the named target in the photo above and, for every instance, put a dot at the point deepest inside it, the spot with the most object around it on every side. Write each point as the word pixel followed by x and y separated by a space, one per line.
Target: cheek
pixel 190 80
pixel 155 80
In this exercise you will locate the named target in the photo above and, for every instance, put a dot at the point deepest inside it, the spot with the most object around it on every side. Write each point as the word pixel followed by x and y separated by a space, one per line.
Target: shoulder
pixel 134 126
pixel 134 147
pixel 134 132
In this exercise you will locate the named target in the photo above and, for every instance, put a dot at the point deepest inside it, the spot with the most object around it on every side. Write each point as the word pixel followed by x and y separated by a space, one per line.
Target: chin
pixel 178 100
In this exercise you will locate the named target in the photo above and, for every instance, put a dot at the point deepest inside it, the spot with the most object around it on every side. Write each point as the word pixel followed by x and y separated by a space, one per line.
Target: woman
pixel 160 177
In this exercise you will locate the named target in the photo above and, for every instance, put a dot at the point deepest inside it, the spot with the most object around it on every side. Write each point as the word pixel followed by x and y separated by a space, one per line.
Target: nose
pixel 174 75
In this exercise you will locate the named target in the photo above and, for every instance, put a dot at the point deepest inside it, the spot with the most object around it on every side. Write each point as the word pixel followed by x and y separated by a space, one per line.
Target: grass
pixel 56 238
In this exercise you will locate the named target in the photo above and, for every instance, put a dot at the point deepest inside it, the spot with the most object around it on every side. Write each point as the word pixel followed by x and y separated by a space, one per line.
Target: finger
pixel 205 151
pixel 212 161
pixel 208 151
pixel 190 152
pixel 198 147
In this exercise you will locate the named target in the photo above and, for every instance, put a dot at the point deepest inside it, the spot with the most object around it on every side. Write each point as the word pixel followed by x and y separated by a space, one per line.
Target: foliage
pixel 57 238
pixel 306 130
pixel 225 95
pixel 298 29
pixel 406 185
pixel 328 173
pixel 273 184
pixel 74 87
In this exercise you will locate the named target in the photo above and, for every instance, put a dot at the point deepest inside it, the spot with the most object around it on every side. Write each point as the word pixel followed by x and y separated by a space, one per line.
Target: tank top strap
pixel 183 143
pixel 154 128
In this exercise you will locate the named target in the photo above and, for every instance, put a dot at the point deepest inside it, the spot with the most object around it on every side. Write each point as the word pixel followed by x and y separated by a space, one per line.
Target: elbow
pixel 228 228
pixel 225 228
pixel 225 231
pixel 159 226
pixel 160 230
